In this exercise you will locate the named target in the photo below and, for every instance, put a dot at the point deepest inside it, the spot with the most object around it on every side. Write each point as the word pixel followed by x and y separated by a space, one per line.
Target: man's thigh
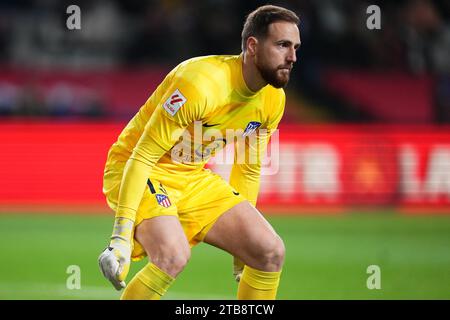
pixel 205 199
pixel 161 234
pixel 243 232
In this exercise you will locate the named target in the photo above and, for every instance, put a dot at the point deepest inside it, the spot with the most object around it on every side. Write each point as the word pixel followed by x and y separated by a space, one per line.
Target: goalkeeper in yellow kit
pixel 165 201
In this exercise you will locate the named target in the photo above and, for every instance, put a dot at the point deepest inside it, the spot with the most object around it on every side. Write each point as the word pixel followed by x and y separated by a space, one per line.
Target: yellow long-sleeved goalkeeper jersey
pixel 186 119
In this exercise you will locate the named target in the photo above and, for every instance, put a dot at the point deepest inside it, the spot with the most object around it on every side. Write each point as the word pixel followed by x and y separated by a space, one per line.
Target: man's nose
pixel 292 55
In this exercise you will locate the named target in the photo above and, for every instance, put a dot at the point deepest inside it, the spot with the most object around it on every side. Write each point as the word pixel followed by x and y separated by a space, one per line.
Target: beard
pixel 277 77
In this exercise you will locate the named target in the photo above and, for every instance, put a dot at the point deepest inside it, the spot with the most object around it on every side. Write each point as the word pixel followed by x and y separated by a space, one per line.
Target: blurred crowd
pixel 414 38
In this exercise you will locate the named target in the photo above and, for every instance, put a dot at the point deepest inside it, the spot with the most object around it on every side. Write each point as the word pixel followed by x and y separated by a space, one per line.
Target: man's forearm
pixel 132 188
pixel 246 181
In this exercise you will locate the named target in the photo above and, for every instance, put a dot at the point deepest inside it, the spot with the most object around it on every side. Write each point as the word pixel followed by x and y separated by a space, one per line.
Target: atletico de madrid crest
pixel 163 200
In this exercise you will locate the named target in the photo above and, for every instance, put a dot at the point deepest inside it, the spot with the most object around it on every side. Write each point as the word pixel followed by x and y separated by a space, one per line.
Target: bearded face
pixel 277 76
pixel 276 53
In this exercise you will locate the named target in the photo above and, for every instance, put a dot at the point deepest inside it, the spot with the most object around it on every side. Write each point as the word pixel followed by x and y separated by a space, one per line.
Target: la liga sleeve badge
pixel 175 101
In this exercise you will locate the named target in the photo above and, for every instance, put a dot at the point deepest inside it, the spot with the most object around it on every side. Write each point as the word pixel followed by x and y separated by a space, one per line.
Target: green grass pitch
pixel 326 258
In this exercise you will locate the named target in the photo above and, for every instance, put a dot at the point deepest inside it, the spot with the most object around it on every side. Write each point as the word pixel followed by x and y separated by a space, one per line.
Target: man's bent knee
pixel 171 260
pixel 165 243
pixel 272 254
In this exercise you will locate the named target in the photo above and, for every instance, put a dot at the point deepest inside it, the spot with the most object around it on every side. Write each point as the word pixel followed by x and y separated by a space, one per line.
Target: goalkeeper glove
pixel 114 261
pixel 238 267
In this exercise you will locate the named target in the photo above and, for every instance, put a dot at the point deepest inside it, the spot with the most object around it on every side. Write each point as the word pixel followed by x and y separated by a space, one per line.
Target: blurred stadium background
pixel 364 153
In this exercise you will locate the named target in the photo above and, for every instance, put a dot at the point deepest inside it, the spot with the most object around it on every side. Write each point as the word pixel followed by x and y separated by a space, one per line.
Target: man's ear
pixel 252 45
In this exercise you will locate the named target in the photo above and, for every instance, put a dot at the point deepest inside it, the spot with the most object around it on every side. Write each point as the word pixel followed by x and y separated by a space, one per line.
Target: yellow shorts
pixel 197 199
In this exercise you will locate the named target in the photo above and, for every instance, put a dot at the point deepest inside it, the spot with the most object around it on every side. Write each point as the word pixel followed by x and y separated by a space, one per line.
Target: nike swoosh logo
pixel 210 125
pixel 236 193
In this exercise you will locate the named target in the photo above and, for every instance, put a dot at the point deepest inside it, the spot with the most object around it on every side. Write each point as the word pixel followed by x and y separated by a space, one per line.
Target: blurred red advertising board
pixel 311 168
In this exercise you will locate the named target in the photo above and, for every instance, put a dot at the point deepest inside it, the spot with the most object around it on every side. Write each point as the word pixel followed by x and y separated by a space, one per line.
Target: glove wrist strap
pixel 123 230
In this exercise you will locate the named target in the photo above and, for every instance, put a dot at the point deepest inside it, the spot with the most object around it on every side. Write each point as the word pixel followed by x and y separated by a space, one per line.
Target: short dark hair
pixel 257 22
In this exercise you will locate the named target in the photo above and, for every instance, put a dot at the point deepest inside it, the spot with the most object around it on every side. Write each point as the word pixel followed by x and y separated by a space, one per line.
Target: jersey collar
pixel 242 88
